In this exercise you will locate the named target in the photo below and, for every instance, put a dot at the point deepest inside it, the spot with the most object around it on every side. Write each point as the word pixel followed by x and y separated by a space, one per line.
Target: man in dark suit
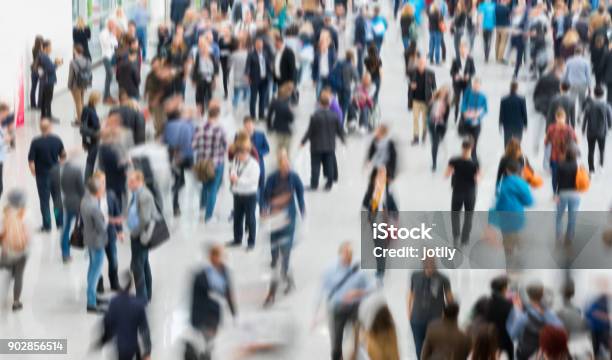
pixel 284 62
pixel 513 114
pixel 258 71
pixel 462 71
pixel 565 101
pixel 322 131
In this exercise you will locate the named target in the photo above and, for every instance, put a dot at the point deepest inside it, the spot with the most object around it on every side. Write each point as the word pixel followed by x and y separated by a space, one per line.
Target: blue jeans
pixel 143 281
pixel 406 42
pixel 108 77
pixel 237 90
pixel 435 42
pixel 553 172
pixel 33 86
pixel 210 189
pixel 66 233
pixel 281 244
pixel 571 201
pixel 141 34
pixel 94 271
pixel 47 190
pixel 419 329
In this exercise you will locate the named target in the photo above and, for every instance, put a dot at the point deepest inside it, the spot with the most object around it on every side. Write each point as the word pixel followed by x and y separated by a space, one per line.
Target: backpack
pixel 83 75
pixel 529 341
pixel 336 78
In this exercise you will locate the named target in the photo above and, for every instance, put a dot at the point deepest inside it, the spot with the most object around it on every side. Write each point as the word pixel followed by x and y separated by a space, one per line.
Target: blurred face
pixel 464 50
pixel 259 45
pixel 476 85
pixel 216 256
pixel 133 183
pixel 283 165
pixel 421 64
pixel 249 126
pixel 132 30
pixel 346 255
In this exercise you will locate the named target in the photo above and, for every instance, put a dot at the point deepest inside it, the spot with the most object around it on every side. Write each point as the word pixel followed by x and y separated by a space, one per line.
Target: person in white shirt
pixel 244 179
pixel 108 44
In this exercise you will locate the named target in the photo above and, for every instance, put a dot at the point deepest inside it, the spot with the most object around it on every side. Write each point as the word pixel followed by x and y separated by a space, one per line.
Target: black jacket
pixel 252 69
pixel 288 68
pixel 280 116
pixel 430 86
pixel 391 164
pixel 360 31
pixel 90 127
pixel 513 113
pixel 566 102
pixel 322 131
pixel 133 120
pixel 469 70
pixel 178 9
pixel 606 68
pixel 205 310
pixel 597 119
pixel 545 90
pixel 498 310
pixel 128 78
pixel 125 319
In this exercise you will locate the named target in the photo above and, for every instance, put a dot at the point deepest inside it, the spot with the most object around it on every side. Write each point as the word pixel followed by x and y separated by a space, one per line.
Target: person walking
pixel 373 65
pixel 322 131
pixel 237 62
pixel 578 75
pixel 429 293
pixel 597 122
pixel 7 139
pixel 437 121
pixel 79 80
pixel 259 142
pixel 408 26
pixel 209 144
pixel 244 178
pixel 108 45
pixel 95 237
pixel 81 35
pixel 498 311
pixel 140 18
pixel 465 172
pixel 462 26
pixel 444 339
pixel 126 323
pixel 47 80
pixel 487 13
pixel 566 197
pixel 546 88
pixel 420 91
pixel 285 69
pixel 204 74
pixel 379 28
pixel 15 242
pixel 281 117
pixel 282 190
pixel 560 137
pixel 324 61
pixel 34 72
pixel 90 132
pixel 45 154
pixel 562 100
pixel 142 210
pixel 128 74
pixel 462 71
pixel 435 34
pixel 502 27
pixel 473 110
pixel 259 72
pixel 73 190
pixel 513 115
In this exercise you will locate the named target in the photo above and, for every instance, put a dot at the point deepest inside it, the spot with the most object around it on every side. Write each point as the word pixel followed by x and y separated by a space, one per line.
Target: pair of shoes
pixel 66 259
pixel 95 310
pixel 327 188
pixel 310 188
pixel 17 305
pixel 250 248
pixel 177 212
pixel 233 244
pixel 415 141
pixel 44 229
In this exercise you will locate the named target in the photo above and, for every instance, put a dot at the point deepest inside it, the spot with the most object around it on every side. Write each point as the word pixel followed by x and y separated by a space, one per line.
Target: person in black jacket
pixel 281 117
pixel 462 71
pixel 81 34
pixel 513 114
pixel 382 152
pixel 565 101
pixel 125 319
pixel 546 88
pixel 597 122
pixel 110 159
pixel 360 39
pixel 205 309
pixel 498 310
pixel 131 117
pixel 128 74
pixel 90 132
pixel 420 91
pixel 606 70
pixel 258 71
pixel 322 131
pixel 284 62
pixel 203 74
pixel 598 49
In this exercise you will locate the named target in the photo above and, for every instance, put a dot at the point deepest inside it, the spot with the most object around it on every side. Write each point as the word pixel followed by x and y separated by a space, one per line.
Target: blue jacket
pixel 49 76
pixel 360 31
pixel 596 324
pixel 297 192
pixel 331 58
pixel 474 101
pixel 178 135
pixel 513 196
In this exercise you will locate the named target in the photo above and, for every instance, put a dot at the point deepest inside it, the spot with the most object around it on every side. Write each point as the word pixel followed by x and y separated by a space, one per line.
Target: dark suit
pixel 459 86
pixel 444 340
pixel 566 102
pixel 114 210
pixel 116 173
pixel 259 84
pixel 322 131
pixel 288 69
pixel 331 60
pixel 498 311
pixel 513 116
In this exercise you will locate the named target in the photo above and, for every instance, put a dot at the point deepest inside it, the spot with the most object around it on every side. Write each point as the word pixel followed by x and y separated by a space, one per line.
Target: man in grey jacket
pixel 95 238
pixel 141 212
pixel 73 190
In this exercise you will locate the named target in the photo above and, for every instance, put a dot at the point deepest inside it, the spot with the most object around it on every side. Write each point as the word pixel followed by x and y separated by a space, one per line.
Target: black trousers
pixel 474 132
pixel 244 214
pixel 45 101
pixel 512 133
pixel 486 36
pixel 1 179
pixel 601 143
pixel 437 134
pixel 340 317
pixel 462 200
pixel 178 172
pixel 458 89
pixel 92 154
pixel 203 94
pixel 225 67
pixel 259 91
pixel 327 159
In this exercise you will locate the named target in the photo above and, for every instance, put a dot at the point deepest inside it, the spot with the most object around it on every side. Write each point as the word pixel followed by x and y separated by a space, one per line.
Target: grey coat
pixel 73 188
pixel 80 62
pixel 95 235
pixel 147 211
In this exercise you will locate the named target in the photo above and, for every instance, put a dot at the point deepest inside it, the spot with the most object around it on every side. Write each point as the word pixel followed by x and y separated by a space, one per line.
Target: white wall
pixel 20 22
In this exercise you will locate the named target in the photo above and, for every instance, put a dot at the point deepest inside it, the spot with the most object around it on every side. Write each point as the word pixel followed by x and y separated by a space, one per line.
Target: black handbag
pixel 159 234
pixel 76 238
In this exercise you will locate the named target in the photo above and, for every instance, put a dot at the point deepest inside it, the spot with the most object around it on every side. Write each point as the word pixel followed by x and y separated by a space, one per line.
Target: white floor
pixel 54 294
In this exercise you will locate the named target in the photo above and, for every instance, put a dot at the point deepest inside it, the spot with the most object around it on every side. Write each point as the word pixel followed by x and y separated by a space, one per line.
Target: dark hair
pixel 499 284
pixel 451 311
pixel 78 48
pixel 485 343
pixel 598 91
pixel 535 292
pixel 46 44
pixel 350 55
pixel 4 107
pixel 570 154
pixel 213 110
pixel 513 87
pixel 247 119
pixel 565 86
pixel 132 22
pixel 467 143
pixel 568 290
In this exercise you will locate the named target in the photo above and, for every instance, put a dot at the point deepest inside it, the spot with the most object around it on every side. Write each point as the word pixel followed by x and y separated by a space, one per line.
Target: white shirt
pixel 262 64
pixel 104 208
pixel 324 65
pixel 463 63
pixel 108 43
pixel 248 176
pixel 277 61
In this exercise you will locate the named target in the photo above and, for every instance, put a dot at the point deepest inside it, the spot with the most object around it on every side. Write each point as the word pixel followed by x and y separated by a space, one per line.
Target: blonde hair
pixel 381 338
pixel 408 10
pixel 94 99
pixel 14 236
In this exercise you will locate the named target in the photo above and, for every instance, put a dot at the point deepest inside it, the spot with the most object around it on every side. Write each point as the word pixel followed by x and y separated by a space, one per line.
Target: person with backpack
pixel 79 80
pixel 597 122
pixel 527 320
pixel 14 242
